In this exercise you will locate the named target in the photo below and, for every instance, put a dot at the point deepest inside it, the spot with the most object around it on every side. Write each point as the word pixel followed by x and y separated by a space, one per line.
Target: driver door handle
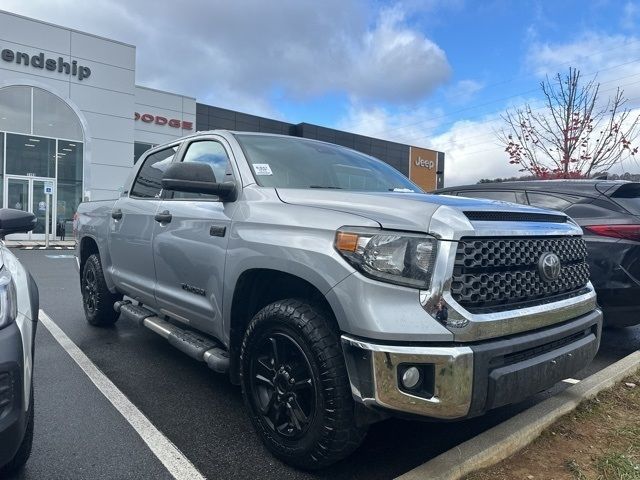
pixel 116 214
pixel 164 217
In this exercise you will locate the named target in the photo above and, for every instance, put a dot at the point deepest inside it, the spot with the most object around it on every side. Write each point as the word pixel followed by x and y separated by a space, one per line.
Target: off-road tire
pixel 24 451
pixel 97 300
pixel 332 433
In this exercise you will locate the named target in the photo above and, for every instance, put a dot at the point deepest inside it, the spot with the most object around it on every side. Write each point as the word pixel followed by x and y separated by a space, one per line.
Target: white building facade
pixel 71 115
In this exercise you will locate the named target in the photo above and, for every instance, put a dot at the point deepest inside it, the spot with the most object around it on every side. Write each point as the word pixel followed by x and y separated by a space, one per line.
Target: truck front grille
pixel 492 274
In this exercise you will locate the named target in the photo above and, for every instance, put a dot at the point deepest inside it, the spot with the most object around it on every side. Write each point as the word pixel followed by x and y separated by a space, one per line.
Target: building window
pixel 54 118
pixel 69 178
pixel 15 109
pixel 139 148
pixel 41 140
pixel 31 155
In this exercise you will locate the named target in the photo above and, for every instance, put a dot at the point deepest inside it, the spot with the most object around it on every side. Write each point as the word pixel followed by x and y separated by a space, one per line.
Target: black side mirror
pixel 197 177
pixel 15 221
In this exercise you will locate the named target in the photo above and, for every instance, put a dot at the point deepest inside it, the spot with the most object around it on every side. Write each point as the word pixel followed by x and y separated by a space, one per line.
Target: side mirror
pixel 197 177
pixel 15 221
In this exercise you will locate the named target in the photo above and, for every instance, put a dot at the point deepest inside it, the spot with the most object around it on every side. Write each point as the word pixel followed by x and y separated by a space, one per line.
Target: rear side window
pixel 590 208
pixel 148 182
pixel 628 196
pixel 505 196
pixel 551 201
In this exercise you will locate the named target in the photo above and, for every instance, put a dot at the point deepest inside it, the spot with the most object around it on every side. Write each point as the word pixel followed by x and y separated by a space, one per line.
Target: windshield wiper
pixel 325 186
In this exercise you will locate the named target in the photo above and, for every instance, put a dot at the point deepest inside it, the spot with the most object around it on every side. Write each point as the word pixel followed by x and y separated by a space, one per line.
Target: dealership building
pixel 73 118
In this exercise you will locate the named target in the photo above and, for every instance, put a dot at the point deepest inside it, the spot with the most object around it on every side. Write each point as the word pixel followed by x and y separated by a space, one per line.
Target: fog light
pixel 410 377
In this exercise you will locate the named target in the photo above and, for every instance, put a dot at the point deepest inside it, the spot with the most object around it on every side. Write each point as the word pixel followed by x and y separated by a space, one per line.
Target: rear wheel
pixel 296 388
pixel 96 298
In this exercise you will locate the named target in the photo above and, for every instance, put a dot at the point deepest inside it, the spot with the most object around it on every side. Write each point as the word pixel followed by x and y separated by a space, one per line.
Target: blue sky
pixel 487 43
pixel 429 73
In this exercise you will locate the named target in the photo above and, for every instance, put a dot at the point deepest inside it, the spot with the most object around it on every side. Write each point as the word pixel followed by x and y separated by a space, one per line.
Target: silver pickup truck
pixel 333 290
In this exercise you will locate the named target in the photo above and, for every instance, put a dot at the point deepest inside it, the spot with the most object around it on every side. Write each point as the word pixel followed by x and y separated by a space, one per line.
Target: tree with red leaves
pixel 574 135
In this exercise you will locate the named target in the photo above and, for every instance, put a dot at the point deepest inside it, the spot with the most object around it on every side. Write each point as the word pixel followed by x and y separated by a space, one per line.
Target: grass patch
pixel 616 466
pixel 629 431
pixel 600 440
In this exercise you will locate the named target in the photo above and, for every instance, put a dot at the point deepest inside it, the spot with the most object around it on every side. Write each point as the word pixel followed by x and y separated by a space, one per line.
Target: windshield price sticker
pixel 262 169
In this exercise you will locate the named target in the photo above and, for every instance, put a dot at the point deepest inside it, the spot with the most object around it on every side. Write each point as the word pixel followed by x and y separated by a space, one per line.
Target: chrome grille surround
pixel 450 225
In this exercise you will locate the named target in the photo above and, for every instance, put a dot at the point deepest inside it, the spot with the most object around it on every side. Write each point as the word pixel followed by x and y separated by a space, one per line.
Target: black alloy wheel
pixel 282 385
pixel 90 290
pixel 97 299
pixel 296 387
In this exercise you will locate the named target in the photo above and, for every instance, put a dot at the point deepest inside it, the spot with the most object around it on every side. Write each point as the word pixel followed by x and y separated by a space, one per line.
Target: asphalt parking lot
pixel 79 434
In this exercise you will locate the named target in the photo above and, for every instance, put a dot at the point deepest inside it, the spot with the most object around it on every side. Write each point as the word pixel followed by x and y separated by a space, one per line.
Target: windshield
pixel 290 162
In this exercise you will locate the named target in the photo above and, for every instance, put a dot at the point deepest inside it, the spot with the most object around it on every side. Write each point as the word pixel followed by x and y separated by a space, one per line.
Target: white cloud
pixel 236 54
pixel 412 126
pixel 471 152
pixel 470 146
pixel 614 58
pixel 630 16
pixel 396 64
pixel 463 91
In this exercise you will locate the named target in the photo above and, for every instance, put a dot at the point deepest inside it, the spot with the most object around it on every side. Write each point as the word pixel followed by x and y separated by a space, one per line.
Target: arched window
pixel 41 140
pixel 51 116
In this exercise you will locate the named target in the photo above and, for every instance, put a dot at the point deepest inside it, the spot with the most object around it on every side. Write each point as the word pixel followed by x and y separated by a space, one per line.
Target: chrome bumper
pixel 452 382
pixel 460 381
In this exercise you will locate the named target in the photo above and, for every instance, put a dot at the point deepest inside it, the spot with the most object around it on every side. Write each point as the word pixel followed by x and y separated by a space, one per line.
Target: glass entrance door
pixel 27 194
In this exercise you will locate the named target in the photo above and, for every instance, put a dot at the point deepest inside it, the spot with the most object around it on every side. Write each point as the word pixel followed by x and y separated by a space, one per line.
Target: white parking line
pixel 172 458
pixel 572 381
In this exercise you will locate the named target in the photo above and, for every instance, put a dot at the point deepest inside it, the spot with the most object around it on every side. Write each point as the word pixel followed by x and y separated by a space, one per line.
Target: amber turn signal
pixel 346 242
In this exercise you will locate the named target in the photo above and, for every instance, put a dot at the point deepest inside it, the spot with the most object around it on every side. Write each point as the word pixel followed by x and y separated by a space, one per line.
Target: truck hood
pixel 395 210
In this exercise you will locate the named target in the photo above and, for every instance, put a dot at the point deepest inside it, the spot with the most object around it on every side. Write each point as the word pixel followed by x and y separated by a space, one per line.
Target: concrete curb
pixel 509 437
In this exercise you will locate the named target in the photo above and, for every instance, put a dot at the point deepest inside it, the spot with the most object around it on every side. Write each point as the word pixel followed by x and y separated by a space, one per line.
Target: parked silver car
pixel 18 321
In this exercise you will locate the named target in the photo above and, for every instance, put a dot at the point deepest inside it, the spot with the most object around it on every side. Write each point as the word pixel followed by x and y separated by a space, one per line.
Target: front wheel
pixel 97 300
pixel 296 388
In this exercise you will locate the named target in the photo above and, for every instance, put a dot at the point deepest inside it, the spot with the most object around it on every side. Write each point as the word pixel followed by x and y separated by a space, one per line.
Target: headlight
pixel 7 299
pixel 396 257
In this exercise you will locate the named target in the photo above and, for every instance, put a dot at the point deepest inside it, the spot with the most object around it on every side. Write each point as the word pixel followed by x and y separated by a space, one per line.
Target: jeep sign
pixel 421 162
pixel 422 167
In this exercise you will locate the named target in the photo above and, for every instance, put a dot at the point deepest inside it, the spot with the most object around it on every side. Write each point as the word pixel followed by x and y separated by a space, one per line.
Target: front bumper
pixel 466 380
pixel 13 417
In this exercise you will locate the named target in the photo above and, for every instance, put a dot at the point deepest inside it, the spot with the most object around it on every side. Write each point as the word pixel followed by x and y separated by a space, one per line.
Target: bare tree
pixel 574 135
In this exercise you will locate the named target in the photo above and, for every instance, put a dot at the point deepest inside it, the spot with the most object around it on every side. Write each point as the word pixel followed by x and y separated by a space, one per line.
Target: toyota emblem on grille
pixel 549 266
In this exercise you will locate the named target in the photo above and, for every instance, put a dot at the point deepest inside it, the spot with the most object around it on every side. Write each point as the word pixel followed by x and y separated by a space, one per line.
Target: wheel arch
pixel 259 287
pixel 88 245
